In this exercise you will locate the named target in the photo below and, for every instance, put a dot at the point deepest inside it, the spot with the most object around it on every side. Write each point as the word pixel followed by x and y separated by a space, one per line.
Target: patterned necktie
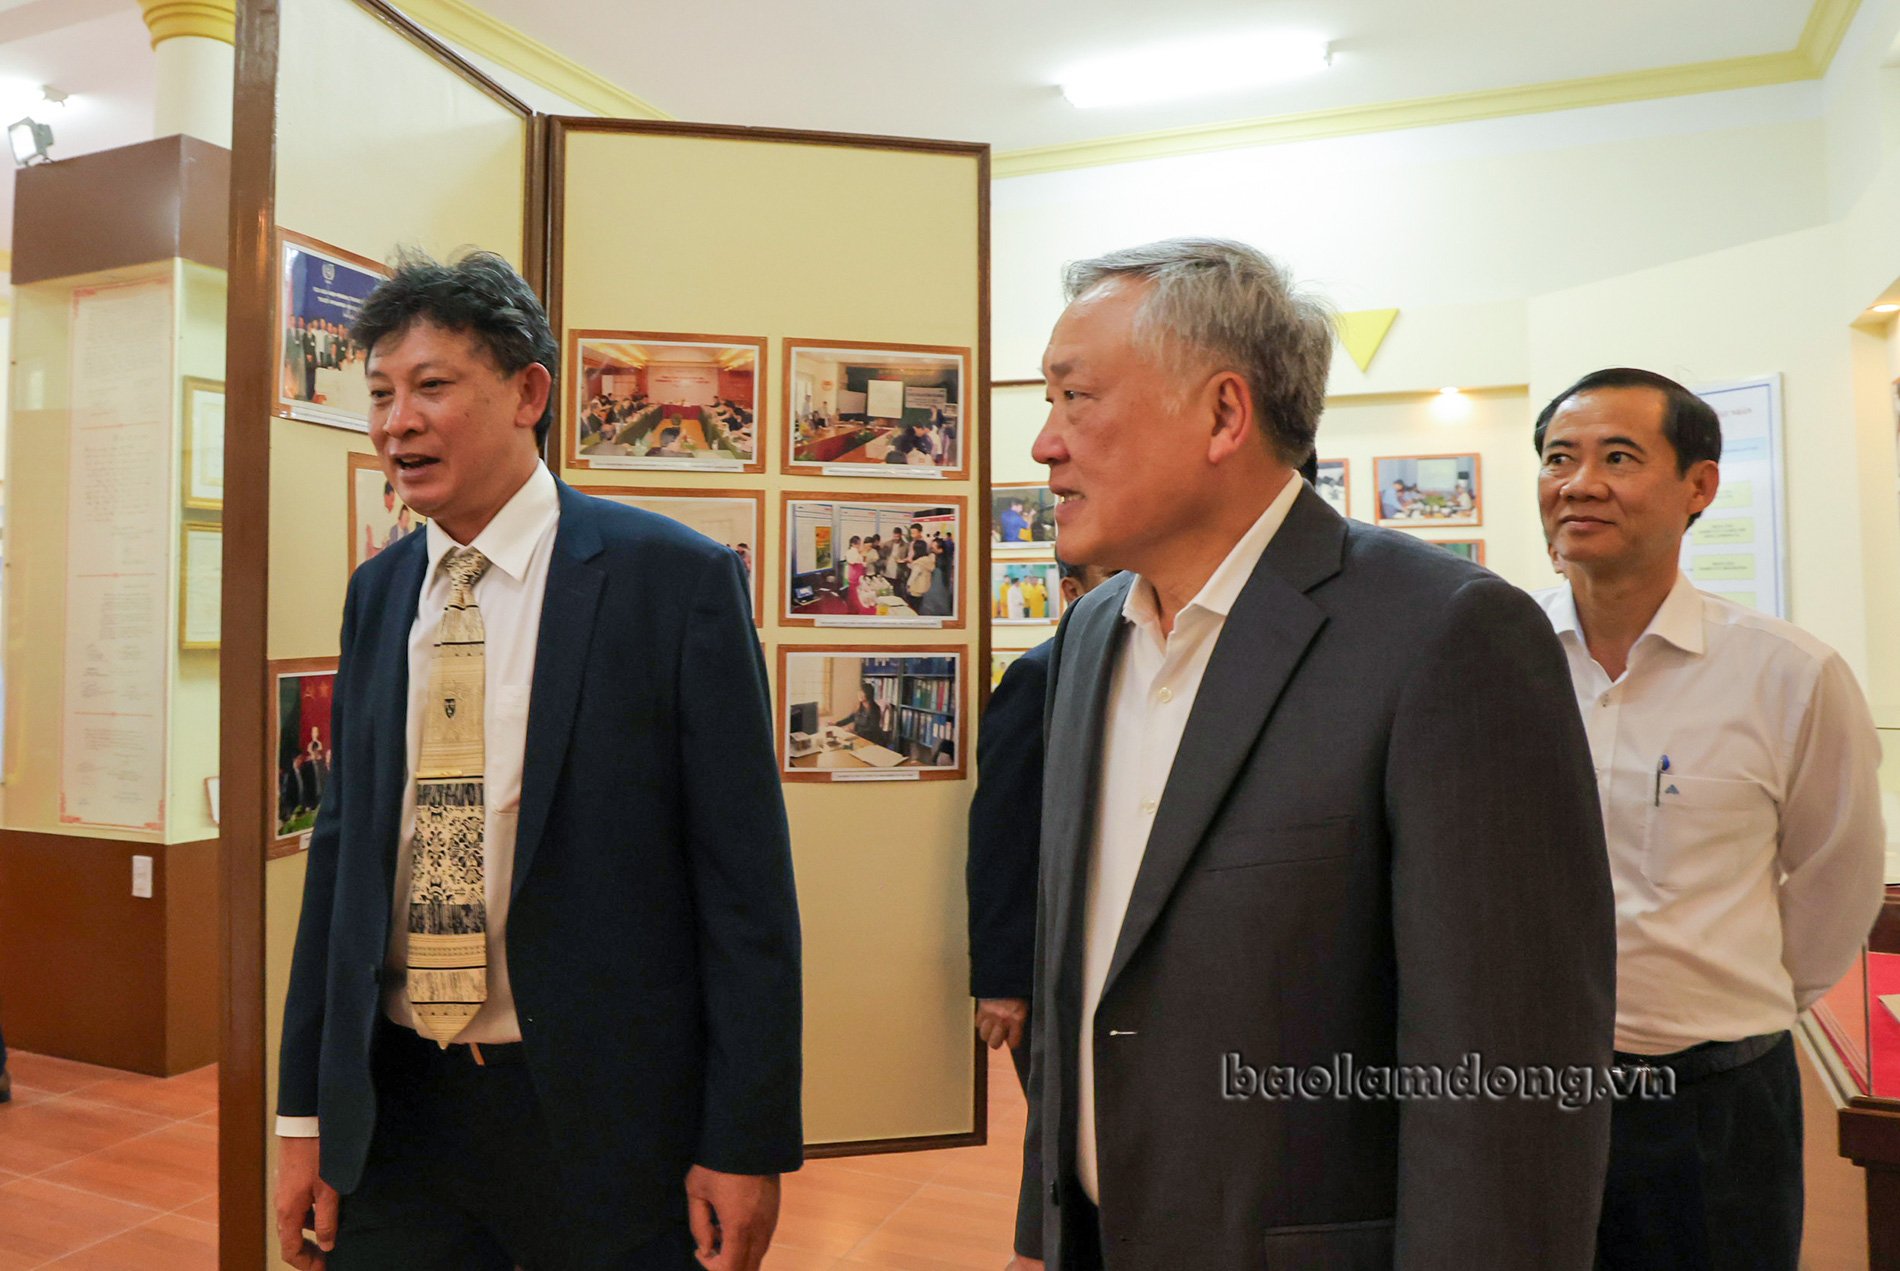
pixel 448 909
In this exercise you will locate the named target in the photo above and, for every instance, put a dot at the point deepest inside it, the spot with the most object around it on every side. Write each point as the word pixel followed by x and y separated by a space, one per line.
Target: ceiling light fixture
pixel 1887 308
pixel 30 140
pixel 1197 69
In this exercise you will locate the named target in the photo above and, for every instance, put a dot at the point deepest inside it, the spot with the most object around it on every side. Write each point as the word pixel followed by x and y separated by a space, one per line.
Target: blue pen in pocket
pixel 1662 766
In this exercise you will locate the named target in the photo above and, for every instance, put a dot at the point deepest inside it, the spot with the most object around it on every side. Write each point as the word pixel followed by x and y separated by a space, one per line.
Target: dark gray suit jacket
pixel 1379 840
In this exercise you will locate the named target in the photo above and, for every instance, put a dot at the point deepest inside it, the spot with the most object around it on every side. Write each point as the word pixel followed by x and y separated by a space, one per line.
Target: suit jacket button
pixel 1055 1195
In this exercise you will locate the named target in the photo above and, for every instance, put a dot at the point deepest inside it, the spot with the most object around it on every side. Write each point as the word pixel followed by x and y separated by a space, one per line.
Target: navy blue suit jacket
pixel 653 940
pixel 1006 830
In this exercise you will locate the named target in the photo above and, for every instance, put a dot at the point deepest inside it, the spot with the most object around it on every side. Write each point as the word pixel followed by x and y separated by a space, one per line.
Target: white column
pixel 196 62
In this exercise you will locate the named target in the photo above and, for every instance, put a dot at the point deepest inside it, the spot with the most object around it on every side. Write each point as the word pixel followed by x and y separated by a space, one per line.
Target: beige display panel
pixel 864 244
pixel 359 134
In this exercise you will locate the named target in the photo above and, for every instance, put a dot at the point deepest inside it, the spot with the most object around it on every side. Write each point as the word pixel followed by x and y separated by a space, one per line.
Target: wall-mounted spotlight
pixel 30 139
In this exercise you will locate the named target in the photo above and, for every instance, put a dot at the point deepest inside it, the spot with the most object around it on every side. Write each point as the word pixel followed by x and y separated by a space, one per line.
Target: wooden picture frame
pixel 200 585
pixel 1042 513
pixel 286 827
pixel 344 273
pixel 202 470
pixel 923 503
pixel 790 770
pixel 647 497
pixel 655 417
pixel 1435 507
pixel 789 406
pixel 1048 576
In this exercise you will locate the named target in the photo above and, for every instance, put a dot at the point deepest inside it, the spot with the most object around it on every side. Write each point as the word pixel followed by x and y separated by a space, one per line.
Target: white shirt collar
pixel 1678 619
pixel 509 539
pixel 1223 587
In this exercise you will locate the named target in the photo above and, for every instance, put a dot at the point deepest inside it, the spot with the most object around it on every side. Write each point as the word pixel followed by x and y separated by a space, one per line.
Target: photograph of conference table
pixel 870 558
pixel 733 517
pixel 642 395
pixel 859 709
pixel 874 407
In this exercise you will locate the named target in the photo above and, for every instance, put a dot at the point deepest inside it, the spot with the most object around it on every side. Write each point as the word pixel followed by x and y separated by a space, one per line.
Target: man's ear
pixel 535 385
pixel 1705 478
pixel 1231 420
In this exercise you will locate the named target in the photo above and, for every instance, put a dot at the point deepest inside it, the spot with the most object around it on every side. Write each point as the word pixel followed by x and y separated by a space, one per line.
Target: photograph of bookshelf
pixel 847 710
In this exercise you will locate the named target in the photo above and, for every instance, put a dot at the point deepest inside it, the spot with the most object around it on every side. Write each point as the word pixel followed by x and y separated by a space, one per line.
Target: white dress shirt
pixel 1747 868
pixel 1151 695
pixel 518 543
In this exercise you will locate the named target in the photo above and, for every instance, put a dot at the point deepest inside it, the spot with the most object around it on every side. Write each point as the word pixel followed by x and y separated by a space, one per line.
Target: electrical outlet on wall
pixel 142 877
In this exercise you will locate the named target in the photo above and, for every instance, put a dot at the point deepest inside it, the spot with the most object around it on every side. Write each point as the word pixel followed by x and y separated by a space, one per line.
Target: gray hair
pixel 1232 308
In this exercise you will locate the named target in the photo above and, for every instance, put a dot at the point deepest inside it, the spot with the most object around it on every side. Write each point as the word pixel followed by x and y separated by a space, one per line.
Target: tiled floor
pixel 104 1171
pixel 108 1171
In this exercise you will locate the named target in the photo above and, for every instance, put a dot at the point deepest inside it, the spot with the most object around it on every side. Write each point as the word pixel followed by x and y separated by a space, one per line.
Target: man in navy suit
pixel 626 1091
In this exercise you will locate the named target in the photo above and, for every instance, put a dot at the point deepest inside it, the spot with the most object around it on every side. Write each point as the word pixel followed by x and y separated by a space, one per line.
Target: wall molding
pixel 462 24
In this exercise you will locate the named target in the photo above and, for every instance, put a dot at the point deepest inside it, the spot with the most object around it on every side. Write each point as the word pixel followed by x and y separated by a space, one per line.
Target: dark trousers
pixel 462 1177
pixel 1711 1179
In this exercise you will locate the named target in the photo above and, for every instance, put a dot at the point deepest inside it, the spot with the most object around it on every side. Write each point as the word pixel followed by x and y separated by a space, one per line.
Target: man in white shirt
pixel 1735 759
pixel 544 1000
pixel 1283 833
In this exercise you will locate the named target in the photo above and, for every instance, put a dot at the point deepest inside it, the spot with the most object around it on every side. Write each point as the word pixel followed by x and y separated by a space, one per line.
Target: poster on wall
pixel 874 410
pixel 1333 484
pixel 302 695
pixel 1022 517
pixel 1738 547
pixel 200 586
pixel 204 444
pixel 116 693
pixel 1419 490
pixel 866 561
pixel 1026 593
pixel 871 714
pixel 378 519
pixel 733 517
pixel 320 292
pixel 666 401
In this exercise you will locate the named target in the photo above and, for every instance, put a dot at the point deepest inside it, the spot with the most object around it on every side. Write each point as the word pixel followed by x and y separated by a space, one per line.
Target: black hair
pixel 479 293
pixel 1689 423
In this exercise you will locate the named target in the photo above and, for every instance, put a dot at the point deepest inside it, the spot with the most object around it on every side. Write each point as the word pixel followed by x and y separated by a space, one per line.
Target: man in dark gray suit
pixel 1325 948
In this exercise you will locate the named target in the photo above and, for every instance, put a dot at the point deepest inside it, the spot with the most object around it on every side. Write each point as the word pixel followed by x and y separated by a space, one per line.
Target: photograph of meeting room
pixel 655 400
pixel 871 559
pixel 874 407
pixel 321 290
pixel 378 519
pixel 1333 484
pixel 733 517
pixel 300 722
pixel 856 712
pixel 1433 489
pixel 1022 594
pixel 1022 515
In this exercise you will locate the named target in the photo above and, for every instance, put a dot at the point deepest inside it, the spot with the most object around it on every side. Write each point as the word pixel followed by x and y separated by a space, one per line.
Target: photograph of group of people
pixel 1439 489
pixel 861 710
pixel 733 517
pixel 1027 592
pixel 303 747
pixel 1022 516
pixel 378 519
pixel 872 408
pixel 640 396
pixel 321 368
pixel 872 558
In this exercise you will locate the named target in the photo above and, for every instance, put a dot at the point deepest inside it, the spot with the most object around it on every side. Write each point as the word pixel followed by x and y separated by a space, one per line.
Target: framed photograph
pixel 320 292
pixel 662 400
pixel 378 519
pixel 874 410
pixel 200 585
pixel 204 443
pixel 855 713
pixel 733 517
pixel 1415 490
pixel 999 663
pixel 1022 516
pixel 1025 593
pixel 869 560
pixel 1472 549
pixel 302 690
pixel 1334 484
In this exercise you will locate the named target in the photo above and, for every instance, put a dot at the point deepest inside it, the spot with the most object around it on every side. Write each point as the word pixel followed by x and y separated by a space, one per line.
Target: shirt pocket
pixel 1702 830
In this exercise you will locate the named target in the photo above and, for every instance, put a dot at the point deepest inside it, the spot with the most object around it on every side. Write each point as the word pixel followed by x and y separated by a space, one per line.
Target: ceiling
pixel 982 70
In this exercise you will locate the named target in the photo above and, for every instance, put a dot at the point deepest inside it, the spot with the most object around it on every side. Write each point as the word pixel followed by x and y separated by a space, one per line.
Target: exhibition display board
pixel 814 359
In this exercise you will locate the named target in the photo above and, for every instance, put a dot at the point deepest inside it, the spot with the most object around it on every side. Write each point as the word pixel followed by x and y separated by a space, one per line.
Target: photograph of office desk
pixel 855 753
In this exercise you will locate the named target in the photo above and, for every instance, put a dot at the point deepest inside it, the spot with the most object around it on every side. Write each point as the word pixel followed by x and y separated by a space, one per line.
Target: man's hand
pixel 732 1217
pixel 300 1190
pixel 1000 1020
pixel 1020 1263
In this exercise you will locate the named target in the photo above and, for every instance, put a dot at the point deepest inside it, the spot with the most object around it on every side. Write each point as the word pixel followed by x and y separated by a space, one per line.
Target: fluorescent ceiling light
pixel 1887 308
pixel 1197 69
